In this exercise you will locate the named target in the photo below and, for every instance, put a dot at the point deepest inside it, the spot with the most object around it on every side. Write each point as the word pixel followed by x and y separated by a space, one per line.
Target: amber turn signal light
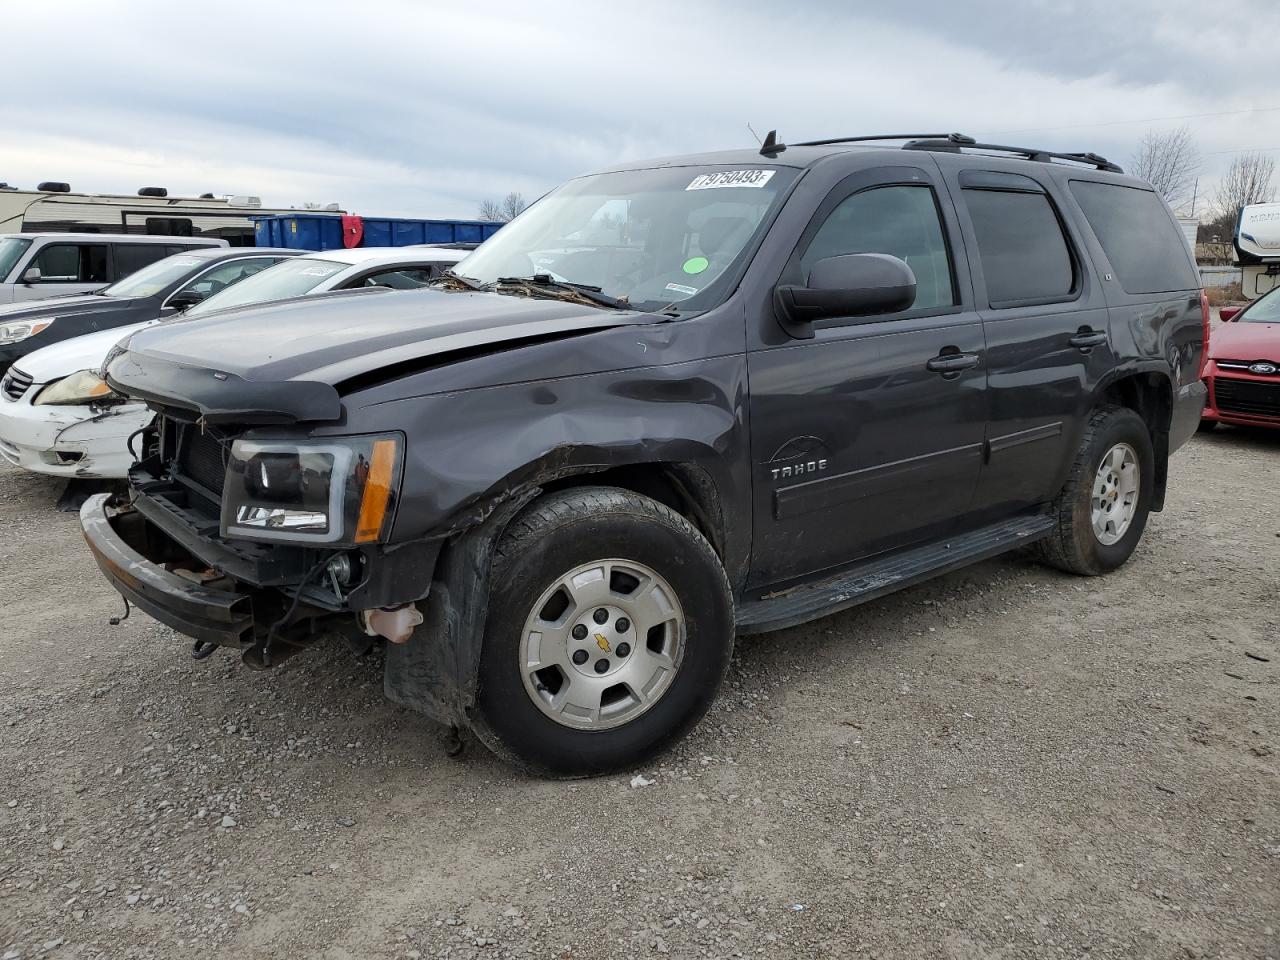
pixel 377 492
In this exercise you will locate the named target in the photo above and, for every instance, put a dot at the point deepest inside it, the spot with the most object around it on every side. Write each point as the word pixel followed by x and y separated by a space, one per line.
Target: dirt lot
pixel 1006 762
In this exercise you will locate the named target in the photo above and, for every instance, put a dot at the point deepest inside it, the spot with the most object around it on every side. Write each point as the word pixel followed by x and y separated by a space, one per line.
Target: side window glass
pixel 1147 252
pixel 405 278
pixel 228 274
pixel 1025 257
pixel 72 263
pixel 899 220
pixel 135 256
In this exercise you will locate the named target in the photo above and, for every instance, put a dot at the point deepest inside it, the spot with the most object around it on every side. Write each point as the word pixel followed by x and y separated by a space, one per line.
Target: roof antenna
pixel 771 147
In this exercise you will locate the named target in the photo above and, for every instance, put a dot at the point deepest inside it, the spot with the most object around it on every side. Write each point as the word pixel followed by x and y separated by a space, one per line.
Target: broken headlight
pixel 81 387
pixel 337 492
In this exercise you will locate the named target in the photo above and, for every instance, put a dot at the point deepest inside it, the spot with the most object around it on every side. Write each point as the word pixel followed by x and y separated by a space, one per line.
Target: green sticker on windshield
pixel 696 264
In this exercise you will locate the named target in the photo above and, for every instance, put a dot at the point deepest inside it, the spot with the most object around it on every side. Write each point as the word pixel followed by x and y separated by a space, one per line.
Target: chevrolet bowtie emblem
pixel 602 643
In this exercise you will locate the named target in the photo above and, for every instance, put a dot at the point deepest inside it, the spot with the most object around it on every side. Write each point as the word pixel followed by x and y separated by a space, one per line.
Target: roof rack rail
pixel 950 145
pixel 946 142
pixel 771 147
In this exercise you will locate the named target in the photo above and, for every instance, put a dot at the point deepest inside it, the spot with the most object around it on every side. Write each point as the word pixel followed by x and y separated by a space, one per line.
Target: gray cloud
pixel 416 109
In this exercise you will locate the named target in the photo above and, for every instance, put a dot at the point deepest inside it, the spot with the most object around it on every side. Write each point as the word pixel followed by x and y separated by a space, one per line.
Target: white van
pixel 38 265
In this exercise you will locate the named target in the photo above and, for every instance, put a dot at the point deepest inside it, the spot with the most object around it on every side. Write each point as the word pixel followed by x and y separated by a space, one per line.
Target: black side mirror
pixel 184 299
pixel 855 285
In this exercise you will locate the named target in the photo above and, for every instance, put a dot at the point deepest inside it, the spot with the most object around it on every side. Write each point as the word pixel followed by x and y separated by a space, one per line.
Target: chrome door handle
pixel 952 362
pixel 1087 339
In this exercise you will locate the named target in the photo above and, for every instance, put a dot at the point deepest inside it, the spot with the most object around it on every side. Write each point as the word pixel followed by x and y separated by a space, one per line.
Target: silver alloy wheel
pixel 602 644
pixel 1115 494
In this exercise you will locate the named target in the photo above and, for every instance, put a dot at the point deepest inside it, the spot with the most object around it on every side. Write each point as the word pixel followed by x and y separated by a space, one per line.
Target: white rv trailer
pixel 1257 242
pixel 53 208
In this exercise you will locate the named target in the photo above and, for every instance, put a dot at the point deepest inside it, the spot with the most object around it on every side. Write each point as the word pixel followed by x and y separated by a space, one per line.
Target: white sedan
pixel 57 415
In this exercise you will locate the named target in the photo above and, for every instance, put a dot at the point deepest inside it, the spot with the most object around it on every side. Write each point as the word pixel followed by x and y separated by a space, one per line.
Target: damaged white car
pixel 68 425
pixel 58 417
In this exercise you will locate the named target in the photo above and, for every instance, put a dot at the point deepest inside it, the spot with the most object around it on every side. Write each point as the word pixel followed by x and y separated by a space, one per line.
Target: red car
pixel 1242 366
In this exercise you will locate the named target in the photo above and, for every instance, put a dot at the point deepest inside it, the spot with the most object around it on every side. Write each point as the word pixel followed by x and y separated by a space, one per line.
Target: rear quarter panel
pixel 1151 333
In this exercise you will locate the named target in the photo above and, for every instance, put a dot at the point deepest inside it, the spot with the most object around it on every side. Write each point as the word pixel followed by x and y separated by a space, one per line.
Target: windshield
pixel 149 281
pixel 1264 310
pixel 288 278
pixel 11 250
pixel 665 237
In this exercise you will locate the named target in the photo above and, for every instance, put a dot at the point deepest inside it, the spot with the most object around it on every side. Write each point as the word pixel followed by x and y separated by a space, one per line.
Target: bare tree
pixel 1248 180
pixel 508 208
pixel 1169 162
pixel 513 206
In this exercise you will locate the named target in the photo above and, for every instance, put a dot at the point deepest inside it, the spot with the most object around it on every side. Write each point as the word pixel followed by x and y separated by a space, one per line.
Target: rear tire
pixel 633 591
pixel 1103 507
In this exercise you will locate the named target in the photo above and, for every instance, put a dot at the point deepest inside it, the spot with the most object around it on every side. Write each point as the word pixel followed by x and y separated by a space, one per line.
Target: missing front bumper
pixel 118 538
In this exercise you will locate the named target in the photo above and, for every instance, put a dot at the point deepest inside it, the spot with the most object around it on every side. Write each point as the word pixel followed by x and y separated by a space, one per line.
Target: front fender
pixel 471 450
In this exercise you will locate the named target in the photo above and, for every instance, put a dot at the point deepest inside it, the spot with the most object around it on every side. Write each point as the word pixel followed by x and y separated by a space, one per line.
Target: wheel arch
pixel 685 487
pixel 436 671
pixel 1149 394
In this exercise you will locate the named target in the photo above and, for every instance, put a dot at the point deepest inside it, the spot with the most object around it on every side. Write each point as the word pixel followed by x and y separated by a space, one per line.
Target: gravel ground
pixel 1005 762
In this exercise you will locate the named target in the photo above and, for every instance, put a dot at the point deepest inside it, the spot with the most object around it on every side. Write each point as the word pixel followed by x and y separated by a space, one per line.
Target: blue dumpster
pixel 300 231
pixel 320 231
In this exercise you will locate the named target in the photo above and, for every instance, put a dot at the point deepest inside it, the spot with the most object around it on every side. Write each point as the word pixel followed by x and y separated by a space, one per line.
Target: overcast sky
pixel 393 107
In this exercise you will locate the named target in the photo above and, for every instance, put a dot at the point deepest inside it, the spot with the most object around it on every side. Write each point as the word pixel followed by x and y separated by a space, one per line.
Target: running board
pixel 875 578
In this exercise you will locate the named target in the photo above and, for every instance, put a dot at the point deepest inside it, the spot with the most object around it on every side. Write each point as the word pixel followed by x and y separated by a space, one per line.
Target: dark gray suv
pixel 671 402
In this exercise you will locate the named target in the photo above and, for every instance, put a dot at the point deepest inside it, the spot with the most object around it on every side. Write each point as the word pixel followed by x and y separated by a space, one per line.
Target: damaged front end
pixel 261 545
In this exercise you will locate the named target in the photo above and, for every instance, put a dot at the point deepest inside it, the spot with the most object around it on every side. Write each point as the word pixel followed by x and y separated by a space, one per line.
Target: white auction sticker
pixel 730 178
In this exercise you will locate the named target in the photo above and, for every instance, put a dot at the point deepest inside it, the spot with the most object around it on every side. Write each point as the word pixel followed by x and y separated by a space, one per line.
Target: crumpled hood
pixel 60 306
pixel 78 353
pixel 284 362
pixel 1245 341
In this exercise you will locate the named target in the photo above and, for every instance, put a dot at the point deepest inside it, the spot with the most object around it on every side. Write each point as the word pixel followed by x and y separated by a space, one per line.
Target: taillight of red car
pixel 1204 334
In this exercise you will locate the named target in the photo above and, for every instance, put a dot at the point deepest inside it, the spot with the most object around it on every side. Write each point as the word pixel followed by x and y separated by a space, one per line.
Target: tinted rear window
pixel 1145 247
pixel 1025 258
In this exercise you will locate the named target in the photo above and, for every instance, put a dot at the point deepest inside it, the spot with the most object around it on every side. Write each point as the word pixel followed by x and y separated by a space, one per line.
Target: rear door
pixel 1046 324
pixel 869 435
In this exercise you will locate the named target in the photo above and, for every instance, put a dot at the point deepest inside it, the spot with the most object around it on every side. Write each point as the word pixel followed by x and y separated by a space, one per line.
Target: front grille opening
pixel 203 459
pixel 15 384
pixel 1247 397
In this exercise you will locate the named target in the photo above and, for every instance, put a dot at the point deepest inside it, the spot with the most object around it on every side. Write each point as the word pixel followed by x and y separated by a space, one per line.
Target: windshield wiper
pixel 454 280
pixel 542 284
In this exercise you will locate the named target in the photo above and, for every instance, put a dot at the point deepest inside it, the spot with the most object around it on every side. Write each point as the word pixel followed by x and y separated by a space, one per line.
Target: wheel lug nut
pixel 580 632
pixel 602 665
pixel 623 625
pixel 622 649
pixel 600 616
pixel 579 657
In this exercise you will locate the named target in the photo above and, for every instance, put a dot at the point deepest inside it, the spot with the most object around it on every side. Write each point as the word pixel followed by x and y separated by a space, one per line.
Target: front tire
pixel 1103 507
pixel 610 630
